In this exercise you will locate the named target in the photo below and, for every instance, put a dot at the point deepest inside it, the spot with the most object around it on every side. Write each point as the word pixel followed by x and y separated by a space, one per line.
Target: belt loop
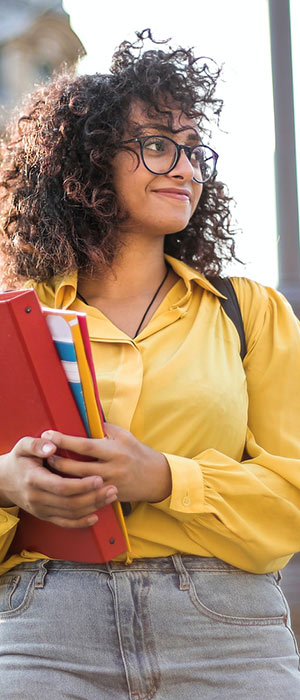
pixel 41 574
pixel 184 579
pixel 109 568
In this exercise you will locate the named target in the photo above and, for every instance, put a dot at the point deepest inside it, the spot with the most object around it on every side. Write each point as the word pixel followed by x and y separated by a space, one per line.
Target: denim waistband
pixel 168 564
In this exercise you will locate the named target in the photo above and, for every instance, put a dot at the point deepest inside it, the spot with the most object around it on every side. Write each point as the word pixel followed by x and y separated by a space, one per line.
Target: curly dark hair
pixel 59 210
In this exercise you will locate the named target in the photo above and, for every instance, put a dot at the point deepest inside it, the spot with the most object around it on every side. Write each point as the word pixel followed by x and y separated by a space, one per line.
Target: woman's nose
pixel 183 168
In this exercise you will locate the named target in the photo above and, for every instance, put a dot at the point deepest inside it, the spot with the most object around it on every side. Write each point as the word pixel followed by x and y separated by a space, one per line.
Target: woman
pixel 113 208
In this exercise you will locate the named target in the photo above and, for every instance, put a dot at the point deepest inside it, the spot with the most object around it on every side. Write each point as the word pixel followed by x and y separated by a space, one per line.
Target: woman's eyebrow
pixel 158 126
pixel 192 137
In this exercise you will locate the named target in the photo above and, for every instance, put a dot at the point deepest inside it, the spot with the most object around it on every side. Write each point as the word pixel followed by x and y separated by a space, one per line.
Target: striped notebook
pixel 61 330
pixel 70 335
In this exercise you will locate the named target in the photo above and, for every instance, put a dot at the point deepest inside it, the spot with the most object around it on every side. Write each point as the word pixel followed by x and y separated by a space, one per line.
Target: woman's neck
pixel 131 290
pixel 135 272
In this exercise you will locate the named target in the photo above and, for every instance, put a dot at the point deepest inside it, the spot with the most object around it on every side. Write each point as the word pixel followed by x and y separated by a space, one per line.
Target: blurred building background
pixel 36 38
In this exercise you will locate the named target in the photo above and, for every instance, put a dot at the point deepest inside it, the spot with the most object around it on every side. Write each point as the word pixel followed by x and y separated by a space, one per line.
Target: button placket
pixel 128 386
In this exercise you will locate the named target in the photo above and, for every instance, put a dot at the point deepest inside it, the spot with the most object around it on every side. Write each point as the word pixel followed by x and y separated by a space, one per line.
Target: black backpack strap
pixel 231 307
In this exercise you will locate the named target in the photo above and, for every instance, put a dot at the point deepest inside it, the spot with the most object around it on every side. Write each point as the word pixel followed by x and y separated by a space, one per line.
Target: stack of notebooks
pixel 48 381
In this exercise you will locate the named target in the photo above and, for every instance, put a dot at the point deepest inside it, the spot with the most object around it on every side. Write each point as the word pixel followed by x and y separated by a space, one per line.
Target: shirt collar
pixel 60 292
pixel 189 274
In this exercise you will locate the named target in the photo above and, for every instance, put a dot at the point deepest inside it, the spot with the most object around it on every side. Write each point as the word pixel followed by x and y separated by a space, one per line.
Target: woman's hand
pixel 138 472
pixel 68 502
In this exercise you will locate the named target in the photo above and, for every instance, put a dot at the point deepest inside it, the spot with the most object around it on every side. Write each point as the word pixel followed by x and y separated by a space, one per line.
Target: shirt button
pixel 186 501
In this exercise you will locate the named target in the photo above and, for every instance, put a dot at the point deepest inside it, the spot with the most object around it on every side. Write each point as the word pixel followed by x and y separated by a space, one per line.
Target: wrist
pixel 162 482
pixel 5 502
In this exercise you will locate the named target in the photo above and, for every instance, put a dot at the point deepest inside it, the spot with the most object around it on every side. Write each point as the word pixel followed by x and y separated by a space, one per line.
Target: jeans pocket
pixel 16 591
pixel 237 597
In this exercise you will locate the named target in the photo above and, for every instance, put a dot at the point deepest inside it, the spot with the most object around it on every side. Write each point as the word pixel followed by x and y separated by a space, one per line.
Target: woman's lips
pixel 181 195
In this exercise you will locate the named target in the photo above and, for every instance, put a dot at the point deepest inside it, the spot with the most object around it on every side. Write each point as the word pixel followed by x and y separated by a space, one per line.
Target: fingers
pixel 37 478
pixel 63 500
pixel 72 467
pixel 100 448
pixel 90 447
pixel 72 509
pixel 80 523
pixel 67 501
pixel 80 504
pixel 34 447
pixel 75 517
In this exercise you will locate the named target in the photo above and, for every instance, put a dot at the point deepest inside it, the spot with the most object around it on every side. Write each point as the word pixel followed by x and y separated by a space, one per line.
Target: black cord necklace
pixel 149 305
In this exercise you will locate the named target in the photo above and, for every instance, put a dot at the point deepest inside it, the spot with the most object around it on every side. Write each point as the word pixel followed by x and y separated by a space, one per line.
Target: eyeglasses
pixel 160 155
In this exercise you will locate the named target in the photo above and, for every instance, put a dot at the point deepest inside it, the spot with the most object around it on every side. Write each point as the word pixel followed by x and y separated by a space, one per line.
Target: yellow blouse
pixel 181 388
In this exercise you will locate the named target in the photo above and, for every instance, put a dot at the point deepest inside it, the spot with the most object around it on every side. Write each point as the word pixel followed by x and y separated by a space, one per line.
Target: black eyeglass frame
pixel 179 147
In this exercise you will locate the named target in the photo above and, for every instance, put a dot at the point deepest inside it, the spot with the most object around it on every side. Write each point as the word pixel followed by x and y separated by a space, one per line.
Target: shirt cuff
pixel 12 510
pixel 8 524
pixel 187 496
pixel 8 519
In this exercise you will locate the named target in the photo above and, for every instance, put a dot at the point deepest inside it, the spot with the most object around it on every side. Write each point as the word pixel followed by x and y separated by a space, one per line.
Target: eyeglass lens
pixel 160 155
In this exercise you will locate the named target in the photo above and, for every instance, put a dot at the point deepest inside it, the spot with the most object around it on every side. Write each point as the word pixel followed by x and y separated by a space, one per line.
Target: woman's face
pixel 157 204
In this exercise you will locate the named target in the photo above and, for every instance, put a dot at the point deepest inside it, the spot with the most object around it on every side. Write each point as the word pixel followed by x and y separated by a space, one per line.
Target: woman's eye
pixel 157 145
pixel 198 157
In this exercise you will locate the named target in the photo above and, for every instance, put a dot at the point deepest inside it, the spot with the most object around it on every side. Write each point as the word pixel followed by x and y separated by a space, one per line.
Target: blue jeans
pixel 171 628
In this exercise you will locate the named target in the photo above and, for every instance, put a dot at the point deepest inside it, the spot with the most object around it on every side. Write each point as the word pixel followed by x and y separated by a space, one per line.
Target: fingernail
pixel 110 500
pixel 109 493
pixel 47 448
pixel 98 482
pixel 47 434
pixel 92 520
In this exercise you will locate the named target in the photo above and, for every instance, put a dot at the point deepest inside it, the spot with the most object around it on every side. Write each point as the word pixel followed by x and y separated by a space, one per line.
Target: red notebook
pixel 35 396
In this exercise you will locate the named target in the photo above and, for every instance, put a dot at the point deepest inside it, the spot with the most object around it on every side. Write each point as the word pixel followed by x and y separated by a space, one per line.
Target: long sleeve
pixel 248 512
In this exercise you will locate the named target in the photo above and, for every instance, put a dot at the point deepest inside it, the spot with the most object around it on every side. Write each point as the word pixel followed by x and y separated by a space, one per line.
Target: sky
pixel 235 33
